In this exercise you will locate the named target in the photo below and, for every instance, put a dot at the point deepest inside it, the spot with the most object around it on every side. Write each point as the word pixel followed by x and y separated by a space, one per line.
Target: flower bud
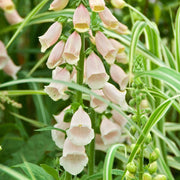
pixel 160 177
pixel 147 176
pixel 81 19
pixel 97 5
pixel 154 155
pixel 129 176
pixel 152 167
pixel 58 5
pixel 118 3
pixel 131 167
pixel 148 138
pixel 122 29
pixel 122 58
pixel 133 130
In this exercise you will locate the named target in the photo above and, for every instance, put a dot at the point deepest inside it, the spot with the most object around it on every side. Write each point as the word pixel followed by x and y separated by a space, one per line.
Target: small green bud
pixel 148 138
pixel 152 167
pixel 133 130
pixel 154 155
pixel 132 102
pixel 138 99
pixel 160 177
pixel 129 176
pixel 137 91
pixel 134 94
pixel 147 176
pixel 134 118
pixel 131 167
pixel 134 85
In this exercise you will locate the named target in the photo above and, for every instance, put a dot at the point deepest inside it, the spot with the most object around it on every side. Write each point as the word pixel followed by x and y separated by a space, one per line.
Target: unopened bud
pixel 147 176
pixel 131 167
pixel 160 177
pixel 154 155
pixel 133 130
pixel 152 167
pixel 129 176
pixel 148 138
pixel 132 102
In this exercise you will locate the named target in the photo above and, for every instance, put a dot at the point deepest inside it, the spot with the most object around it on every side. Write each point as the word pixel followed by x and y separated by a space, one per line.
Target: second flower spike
pixel 81 19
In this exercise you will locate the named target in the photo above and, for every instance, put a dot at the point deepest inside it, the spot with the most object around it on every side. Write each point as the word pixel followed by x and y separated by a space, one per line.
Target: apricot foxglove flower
pixel 58 5
pixel 105 47
pixel 98 105
pixel 3 55
pixel 74 158
pixel 119 76
pixel 114 95
pixel 122 29
pixel 13 17
pixel 97 5
pixel 110 131
pixel 59 118
pixel 96 75
pixel 80 131
pixel 72 48
pixel 11 69
pixel 118 3
pixel 117 45
pixel 81 19
pixel 55 57
pixel 51 36
pixel 122 58
pixel 59 136
pixel 56 90
pixel 118 118
pixel 108 19
pixel 7 5
pixel 99 143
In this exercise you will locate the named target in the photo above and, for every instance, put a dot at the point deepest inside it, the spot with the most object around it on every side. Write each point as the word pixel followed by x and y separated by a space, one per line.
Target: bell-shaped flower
pixel 13 17
pixel 118 118
pixel 110 131
pixel 55 57
pixel 98 105
pixel 119 76
pixel 114 95
pixel 58 136
pixel 7 5
pixel 97 5
pixel 57 5
pixel 80 131
pixel 105 47
pixel 51 36
pixel 3 55
pixel 72 48
pixel 74 158
pixel 11 69
pixel 57 90
pixel 122 58
pixel 117 45
pixel 122 29
pixel 118 3
pixel 99 143
pixel 81 19
pixel 108 19
pixel 96 75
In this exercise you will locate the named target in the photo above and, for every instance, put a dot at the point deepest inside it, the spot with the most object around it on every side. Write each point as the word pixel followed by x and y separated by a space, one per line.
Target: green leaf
pixel 49 128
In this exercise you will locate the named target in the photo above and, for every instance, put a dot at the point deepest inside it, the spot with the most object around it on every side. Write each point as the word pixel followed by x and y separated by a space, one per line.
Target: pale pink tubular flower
pixel 97 5
pixel 51 36
pixel 114 95
pixel 11 69
pixel 96 75
pixel 57 90
pixel 7 5
pixel 58 136
pixel 55 57
pixel 117 45
pixel 58 5
pixel 80 131
pixel 3 55
pixel 105 47
pixel 13 17
pixel 119 76
pixel 72 48
pixel 122 58
pixel 118 3
pixel 81 19
pixel 98 105
pixel 110 131
pixel 74 158
pixel 122 29
pixel 108 19
pixel 118 118
pixel 99 143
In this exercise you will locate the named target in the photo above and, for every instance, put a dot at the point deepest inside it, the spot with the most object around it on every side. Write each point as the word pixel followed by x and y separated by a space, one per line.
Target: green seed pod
pixel 133 130
pixel 132 102
pixel 131 167
pixel 152 167
pixel 147 176
pixel 154 155
pixel 129 176
pixel 148 138
pixel 160 177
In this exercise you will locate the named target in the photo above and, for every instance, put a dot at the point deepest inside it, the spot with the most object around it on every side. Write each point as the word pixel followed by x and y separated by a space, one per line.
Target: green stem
pixel 80 68
pixel 68 176
pixel 91 161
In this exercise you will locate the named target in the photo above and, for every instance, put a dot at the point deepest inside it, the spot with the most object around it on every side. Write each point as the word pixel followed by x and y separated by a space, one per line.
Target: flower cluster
pixel 10 12
pixel 79 130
